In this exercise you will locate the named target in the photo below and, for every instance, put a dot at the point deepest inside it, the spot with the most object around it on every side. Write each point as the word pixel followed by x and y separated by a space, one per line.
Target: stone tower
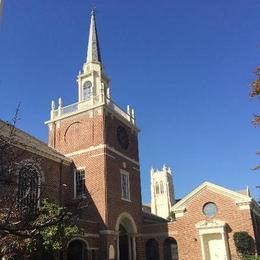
pixel 102 140
pixel 162 192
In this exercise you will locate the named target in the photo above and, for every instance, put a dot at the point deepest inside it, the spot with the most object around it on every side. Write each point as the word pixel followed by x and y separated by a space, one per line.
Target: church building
pixel 93 151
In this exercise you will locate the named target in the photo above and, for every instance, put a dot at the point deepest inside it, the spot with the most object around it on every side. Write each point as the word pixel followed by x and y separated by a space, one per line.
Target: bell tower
pixel 162 191
pixel 101 138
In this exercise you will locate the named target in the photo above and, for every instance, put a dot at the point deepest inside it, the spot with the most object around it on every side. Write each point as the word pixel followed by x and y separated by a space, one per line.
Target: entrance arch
pixel 152 250
pixel 170 249
pixel 77 250
pixel 126 231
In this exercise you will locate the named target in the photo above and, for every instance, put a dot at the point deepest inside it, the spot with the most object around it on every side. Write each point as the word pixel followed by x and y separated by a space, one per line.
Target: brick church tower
pixel 102 141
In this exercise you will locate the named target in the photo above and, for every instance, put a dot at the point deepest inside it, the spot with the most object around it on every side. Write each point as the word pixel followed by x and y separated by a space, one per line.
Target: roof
pixel 213 187
pixel 150 218
pixel 30 143
pixel 93 54
pixel 241 198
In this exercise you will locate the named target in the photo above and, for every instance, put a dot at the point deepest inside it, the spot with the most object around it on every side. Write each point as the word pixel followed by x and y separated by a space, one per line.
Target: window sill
pixel 126 199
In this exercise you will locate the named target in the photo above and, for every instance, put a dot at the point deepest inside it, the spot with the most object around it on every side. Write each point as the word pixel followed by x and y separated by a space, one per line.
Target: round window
pixel 210 209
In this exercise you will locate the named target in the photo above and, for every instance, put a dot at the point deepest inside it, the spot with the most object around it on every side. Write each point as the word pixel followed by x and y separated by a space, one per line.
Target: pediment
pixel 240 199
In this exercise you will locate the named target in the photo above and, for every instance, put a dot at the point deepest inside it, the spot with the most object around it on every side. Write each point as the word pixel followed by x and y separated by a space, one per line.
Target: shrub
pixel 243 242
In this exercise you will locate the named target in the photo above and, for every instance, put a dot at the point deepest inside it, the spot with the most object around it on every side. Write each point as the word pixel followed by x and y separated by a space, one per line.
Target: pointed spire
pixel 93 44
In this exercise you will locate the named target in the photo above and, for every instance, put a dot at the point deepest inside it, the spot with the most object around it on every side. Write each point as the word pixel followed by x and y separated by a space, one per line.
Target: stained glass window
pixel 28 188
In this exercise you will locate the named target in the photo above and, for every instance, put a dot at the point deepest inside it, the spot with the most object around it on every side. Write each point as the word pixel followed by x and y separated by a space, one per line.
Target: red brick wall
pixel 102 166
pixel 185 232
pixel 78 132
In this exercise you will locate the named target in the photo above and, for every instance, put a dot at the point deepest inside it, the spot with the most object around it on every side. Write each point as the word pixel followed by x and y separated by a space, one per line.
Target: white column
pixel 134 248
pixel 129 247
pixel 202 247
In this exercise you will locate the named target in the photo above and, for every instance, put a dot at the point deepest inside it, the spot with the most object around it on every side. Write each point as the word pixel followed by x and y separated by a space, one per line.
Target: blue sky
pixel 185 66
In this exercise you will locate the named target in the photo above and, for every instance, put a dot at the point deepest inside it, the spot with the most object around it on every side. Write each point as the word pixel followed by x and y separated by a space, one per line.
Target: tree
pixel 255 92
pixel 29 223
pixel 171 216
pixel 244 243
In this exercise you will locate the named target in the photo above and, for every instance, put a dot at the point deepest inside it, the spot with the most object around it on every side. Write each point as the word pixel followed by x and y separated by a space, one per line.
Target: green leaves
pixel 49 232
pixel 243 242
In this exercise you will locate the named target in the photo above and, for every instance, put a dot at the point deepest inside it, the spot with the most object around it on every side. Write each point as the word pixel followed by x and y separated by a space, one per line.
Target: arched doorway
pixel 126 230
pixel 170 249
pixel 123 243
pixel 152 250
pixel 77 250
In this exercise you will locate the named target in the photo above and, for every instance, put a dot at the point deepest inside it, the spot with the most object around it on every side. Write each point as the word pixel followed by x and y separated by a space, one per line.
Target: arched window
pixel 161 187
pixel 77 250
pixel 170 249
pixel 157 188
pixel 87 90
pixel 151 250
pixel 28 188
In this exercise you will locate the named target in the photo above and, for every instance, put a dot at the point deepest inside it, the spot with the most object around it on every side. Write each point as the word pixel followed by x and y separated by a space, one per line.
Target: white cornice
pixel 243 201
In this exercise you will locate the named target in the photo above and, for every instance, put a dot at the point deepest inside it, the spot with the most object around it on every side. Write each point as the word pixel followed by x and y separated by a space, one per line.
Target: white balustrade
pixel 86 105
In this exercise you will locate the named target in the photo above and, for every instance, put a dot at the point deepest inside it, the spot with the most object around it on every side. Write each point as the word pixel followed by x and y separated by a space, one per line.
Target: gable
pixel 242 200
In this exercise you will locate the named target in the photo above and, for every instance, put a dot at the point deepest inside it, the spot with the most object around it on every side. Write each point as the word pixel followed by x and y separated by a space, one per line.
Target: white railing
pixel 88 104
pixel 69 109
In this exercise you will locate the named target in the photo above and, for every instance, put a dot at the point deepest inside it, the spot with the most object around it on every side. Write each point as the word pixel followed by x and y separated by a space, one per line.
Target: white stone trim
pixel 122 155
pixel 82 151
pixel 179 212
pixel 129 217
pixel 241 200
pixel 243 205
pixel 99 154
pixel 209 227
pixel 213 227
pixel 102 146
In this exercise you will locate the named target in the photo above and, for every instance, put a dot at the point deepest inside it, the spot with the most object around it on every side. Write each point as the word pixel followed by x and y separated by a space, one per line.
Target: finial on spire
pixel 93 10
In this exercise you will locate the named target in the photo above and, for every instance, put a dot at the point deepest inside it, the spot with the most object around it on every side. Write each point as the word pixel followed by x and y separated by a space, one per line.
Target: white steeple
pixel 93 54
pixel 93 85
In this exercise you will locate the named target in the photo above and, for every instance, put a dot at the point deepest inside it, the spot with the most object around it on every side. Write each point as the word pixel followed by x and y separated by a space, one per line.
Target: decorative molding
pixel 244 205
pixel 238 197
pixel 99 154
pixel 209 227
pixel 102 146
pixel 90 149
pixel 179 212
pixel 122 155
